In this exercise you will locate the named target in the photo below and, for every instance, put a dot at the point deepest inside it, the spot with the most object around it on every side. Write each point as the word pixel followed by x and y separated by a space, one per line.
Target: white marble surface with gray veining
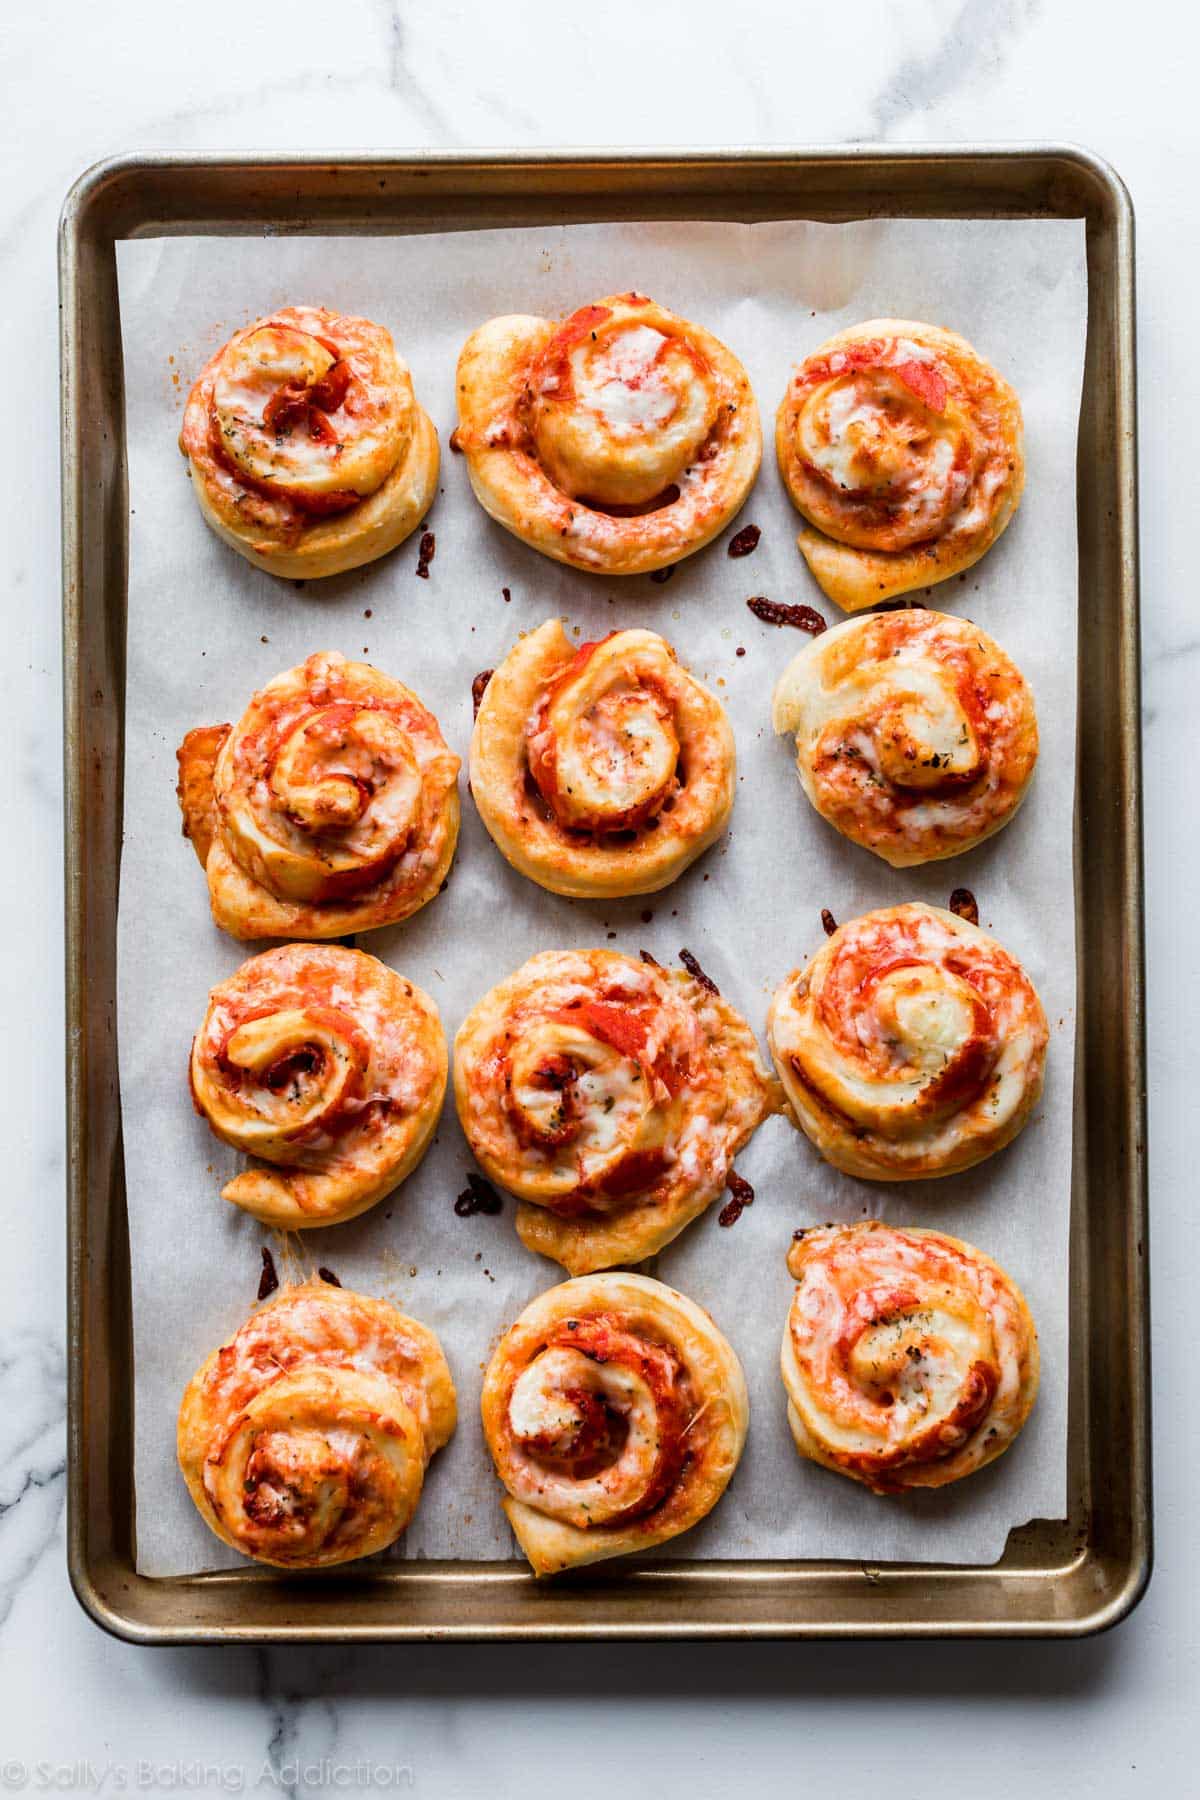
pixel 80 1712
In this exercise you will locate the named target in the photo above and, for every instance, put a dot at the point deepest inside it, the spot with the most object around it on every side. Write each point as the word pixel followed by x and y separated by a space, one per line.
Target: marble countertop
pixel 82 1712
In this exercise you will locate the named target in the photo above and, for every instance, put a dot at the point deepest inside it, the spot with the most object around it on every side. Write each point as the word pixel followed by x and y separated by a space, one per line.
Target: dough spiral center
pixel 283 1077
pixel 582 1091
pixel 595 1422
pixel 293 414
pixel 317 1465
pixel 339 804
pixel 906 1040
pixel 889 452
pixel 603 746
pixel 618 408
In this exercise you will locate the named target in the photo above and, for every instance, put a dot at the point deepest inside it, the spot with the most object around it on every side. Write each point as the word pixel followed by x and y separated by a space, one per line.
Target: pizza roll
pixel 915 734
pixel 601 769
pixel 304 1440
pixel 618 440
pixel 307 450
pixel 909 1358
pixel 615 1413
pixel 331 807
pixel 611 1096
pixel 912 1045
pixel 903 449
pixel 325 1064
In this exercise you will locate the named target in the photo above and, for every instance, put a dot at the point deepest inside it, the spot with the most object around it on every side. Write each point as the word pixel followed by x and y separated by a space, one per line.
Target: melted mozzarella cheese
pixel 536 1409
pixel 624 381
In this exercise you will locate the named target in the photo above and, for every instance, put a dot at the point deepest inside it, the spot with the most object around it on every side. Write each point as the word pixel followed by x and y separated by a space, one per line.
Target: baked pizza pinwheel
pixel 616 1413
pixel 331 807
pixel 619 440
pixel 611 1096
pixel 600 769
pixel 912 1045
pixel 909 1358
pixel 902 447
pixel 307 450
pixel 916 736
pixel 304 1440
pixel 328 1068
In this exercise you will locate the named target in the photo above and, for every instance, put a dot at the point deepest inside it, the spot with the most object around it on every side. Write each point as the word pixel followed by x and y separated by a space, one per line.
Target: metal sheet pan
pixel 1056 1578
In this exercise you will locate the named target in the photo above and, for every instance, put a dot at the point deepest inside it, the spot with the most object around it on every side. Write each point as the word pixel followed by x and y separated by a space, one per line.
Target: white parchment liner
pixel 205 629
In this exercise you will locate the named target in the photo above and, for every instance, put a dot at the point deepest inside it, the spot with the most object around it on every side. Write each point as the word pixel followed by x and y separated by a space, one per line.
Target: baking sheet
pixel 205 628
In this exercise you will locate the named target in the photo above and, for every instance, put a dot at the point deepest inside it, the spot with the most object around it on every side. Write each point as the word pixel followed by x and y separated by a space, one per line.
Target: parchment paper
pixel 205 629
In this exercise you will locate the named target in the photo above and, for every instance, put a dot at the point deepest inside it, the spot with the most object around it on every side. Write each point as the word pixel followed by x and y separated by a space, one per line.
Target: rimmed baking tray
pixel 1056 1578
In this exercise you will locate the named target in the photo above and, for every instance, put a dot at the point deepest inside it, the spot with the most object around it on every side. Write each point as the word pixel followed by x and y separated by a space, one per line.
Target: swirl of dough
pixel 304 1441
pixel 330 808
pixel 601 769
pixel 611 1096
pixel 323 1062
pixel 916 736
pixel 902 447
pixel 909 1358
pixel 307 450
pixel 912 1045
pixel 615 1412
pixel 618 440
